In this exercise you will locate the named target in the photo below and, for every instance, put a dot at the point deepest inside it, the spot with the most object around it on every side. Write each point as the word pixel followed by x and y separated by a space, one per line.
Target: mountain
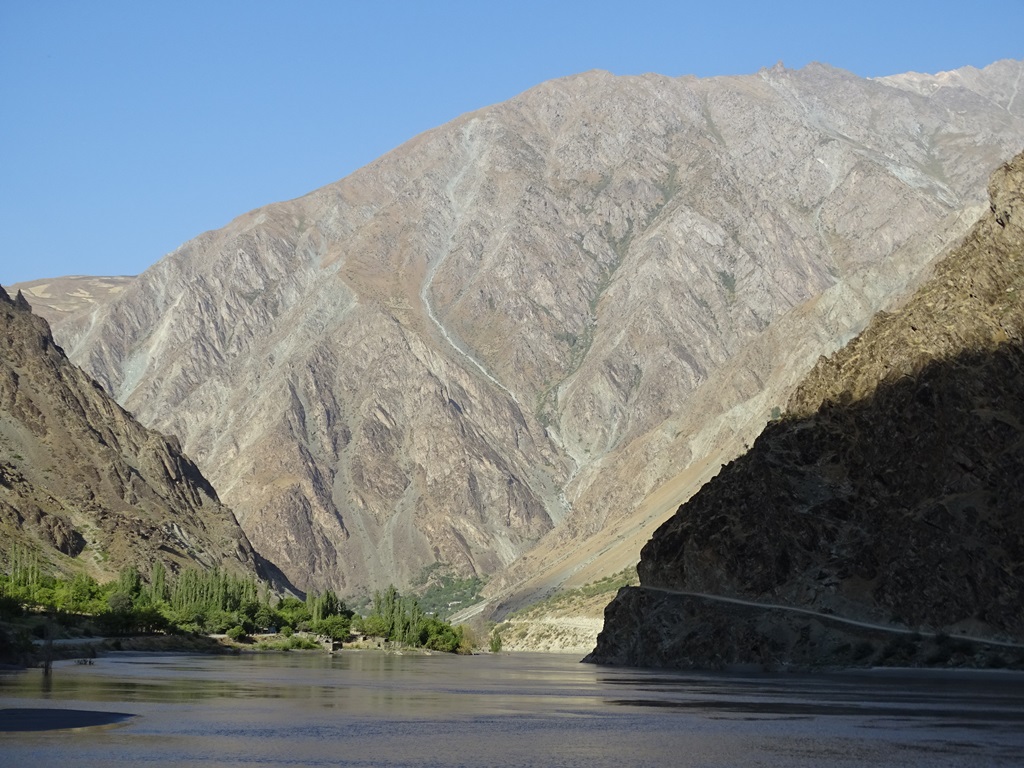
pixel 494 347
pixel 888 494
pixel 60 298
pixel 84 484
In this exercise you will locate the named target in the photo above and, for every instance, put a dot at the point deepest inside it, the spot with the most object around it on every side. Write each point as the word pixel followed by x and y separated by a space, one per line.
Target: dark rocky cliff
pixel 85 485
pixel 888 494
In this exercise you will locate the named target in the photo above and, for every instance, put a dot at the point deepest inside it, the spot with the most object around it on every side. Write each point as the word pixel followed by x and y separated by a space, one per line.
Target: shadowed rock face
pixel 510 330
pixel 86 485
pixel 888 493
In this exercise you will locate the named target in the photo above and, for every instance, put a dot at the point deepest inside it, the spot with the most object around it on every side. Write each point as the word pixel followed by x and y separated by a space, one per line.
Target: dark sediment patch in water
pixel 49 719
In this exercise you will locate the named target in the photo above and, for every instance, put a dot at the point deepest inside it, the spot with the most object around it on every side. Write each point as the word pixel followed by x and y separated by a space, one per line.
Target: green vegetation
pixel 561 600
pixel 441 594
pixel 208 602
pixel 216 602
pixel 291 643
pixel 401 620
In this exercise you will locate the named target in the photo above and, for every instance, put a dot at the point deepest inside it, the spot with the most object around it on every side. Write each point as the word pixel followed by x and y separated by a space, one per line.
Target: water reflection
pixel 370 708
pixel 993 696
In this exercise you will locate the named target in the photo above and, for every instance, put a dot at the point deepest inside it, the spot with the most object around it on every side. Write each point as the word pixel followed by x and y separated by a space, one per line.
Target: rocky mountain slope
pixel 503 336
pixel 85 485
pixel 888 494
pixel 57 299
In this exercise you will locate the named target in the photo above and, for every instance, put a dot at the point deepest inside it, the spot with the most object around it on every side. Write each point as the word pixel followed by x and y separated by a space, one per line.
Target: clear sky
pixel 127 128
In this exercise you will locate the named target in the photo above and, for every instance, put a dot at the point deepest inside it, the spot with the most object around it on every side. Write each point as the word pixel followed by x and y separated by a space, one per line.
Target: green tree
pixel 375 626
pixel 334 627
pixel 440 635
pixel 129 582
pixel 158 591
pixel 402 620
pixel 264 618
pixel 120 602
pixel 292 612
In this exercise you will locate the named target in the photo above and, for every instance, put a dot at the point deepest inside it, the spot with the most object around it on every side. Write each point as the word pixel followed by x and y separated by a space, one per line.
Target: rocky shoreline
pixel 695 632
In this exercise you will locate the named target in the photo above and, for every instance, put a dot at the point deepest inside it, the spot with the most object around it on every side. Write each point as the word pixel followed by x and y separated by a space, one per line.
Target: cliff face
pixel 503 335
pixel 889 493
pixel 86 485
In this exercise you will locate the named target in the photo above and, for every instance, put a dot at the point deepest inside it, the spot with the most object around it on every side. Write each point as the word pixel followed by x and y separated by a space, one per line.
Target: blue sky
pixel 128 128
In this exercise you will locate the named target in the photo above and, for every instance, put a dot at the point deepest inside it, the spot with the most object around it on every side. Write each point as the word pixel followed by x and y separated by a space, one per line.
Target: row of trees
pixel 214 601
pixel 402 620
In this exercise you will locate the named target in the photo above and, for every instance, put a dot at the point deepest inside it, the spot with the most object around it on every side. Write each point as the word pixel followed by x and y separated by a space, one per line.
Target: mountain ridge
pixel 85 486
pixel 507 332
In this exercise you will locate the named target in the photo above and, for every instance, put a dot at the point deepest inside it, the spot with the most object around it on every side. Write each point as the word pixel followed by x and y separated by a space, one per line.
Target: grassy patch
pixel 441 593
pixel 293 643
pixel 609 585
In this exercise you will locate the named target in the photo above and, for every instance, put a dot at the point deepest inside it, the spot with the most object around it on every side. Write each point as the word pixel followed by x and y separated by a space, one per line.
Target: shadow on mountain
pixel 85 487
pixel 903 509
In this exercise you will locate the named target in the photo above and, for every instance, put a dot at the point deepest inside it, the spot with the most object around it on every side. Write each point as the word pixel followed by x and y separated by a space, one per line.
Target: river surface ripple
pixel 371 709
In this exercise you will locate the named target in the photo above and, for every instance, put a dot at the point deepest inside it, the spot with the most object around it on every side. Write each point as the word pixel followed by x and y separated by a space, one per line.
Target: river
pixel 363 708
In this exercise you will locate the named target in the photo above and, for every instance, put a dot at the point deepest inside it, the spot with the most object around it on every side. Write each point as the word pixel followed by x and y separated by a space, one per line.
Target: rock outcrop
pixel 501 337
pixel 888 494
pixel 87 487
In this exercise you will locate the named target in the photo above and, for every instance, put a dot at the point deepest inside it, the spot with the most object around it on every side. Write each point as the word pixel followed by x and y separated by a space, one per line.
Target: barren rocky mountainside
pixel 84 484
pixel 57 299
pixel 502 337
pixel 889 494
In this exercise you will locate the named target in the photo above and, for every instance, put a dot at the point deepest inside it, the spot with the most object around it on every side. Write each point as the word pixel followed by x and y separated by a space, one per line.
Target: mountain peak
pixel 507 334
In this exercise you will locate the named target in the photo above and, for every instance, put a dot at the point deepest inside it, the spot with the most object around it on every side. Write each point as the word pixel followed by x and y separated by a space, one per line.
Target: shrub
pixel 440 636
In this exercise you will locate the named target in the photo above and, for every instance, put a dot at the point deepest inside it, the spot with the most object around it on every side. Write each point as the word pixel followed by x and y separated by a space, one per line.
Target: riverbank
pixel 67 649
pixel 88 648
